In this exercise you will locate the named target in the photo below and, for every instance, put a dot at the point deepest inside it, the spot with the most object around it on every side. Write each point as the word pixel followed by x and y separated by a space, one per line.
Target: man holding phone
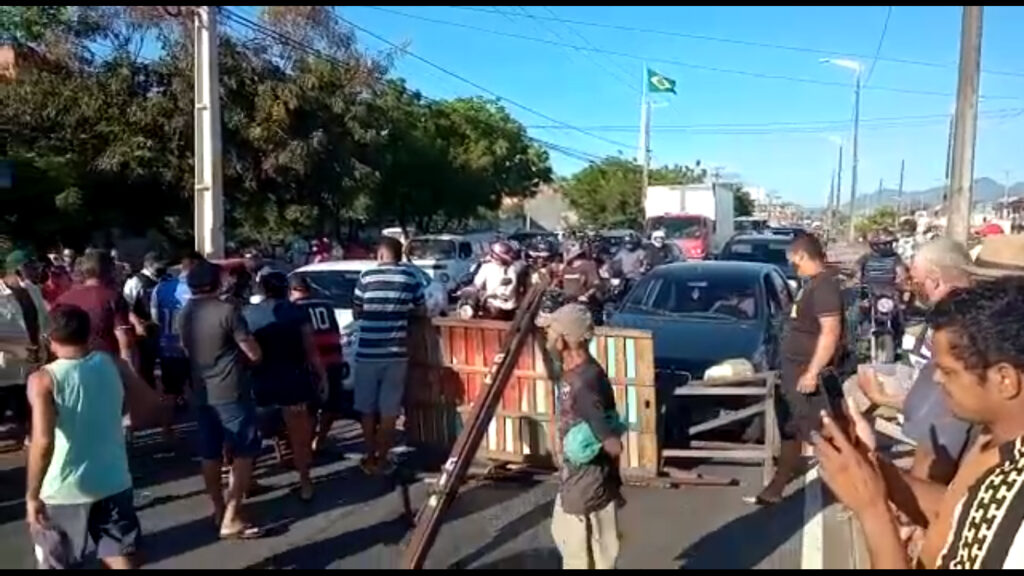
pixel 809 383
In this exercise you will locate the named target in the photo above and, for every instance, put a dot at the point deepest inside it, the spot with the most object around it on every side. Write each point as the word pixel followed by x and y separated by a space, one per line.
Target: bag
pixel 580 445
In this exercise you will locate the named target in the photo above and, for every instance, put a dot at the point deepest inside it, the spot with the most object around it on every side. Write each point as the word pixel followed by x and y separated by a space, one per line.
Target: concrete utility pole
pixel 209 192
pixel 851 234
pixel 899 190
pixel 965 130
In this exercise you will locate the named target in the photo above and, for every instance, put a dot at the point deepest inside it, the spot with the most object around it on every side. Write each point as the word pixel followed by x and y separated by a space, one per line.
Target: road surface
pixel 356 522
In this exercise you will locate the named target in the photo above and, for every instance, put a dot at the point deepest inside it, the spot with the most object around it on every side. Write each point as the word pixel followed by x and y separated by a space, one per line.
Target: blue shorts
pixel 232 425
pixel 380 387
pixel 108 526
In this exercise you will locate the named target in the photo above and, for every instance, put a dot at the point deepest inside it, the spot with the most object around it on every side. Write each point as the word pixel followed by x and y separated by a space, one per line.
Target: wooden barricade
pixel 761 388
pixel 449 360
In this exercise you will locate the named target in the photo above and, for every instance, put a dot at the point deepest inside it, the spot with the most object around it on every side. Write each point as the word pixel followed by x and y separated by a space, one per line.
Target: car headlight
pixel 729 369
pixel 885 305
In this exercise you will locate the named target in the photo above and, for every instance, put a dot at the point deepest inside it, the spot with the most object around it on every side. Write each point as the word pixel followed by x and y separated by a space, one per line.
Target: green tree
pixel 884 217
pixel 607 193
pixel 743 204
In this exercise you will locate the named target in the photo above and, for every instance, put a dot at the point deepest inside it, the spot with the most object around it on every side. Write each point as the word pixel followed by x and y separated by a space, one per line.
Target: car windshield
pixel 755 226
pixel 724 297
pixel 431 248
pixel 677 227
pixel 335 286
pixel 766 252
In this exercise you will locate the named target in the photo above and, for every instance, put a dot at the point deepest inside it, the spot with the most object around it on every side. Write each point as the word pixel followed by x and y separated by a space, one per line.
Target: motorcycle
pixel 880 323
pixel 473 304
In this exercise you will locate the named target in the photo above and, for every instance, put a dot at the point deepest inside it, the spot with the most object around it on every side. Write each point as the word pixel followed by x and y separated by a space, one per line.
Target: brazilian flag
pixel 659 83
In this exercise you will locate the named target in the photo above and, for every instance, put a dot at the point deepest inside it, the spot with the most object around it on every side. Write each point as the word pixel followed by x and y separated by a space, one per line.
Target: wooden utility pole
pixel 209 191
pixel 899 191
pixel 965 129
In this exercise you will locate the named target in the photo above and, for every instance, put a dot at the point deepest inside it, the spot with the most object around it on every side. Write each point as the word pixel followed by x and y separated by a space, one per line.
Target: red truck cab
pixel 692 233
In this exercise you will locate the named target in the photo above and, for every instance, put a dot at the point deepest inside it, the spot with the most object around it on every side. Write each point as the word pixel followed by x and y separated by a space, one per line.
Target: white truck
pixel 699 218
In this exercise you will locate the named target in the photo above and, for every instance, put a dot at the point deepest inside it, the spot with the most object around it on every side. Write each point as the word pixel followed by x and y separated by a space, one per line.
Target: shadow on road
pixel 541 558
pixel 747 541
pixel 509 532
pixel 322 553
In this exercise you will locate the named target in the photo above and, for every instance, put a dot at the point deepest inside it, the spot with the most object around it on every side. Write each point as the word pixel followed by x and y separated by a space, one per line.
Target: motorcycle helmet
pixel 658 238
pixel 631 241
pixel 541 249
pixel 503 252
pixel 573 249
pixel 882 240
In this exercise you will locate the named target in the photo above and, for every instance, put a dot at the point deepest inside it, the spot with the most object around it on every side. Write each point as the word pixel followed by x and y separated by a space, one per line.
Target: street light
pixel 856 67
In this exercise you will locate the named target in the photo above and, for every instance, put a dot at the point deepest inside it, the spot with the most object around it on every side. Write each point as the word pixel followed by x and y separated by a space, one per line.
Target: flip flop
pixel 760 501
pixel 248 532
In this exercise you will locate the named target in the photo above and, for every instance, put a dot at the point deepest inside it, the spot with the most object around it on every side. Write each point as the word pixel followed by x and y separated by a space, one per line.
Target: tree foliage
pixel 608 193
pixel 884 217
pixel 318 138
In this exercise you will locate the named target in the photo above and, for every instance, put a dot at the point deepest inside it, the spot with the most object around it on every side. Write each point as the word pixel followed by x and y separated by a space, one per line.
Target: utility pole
pixel 965 129
pixel 1005 212
pixel 831 208
pixel 899 191
pixel 644 153
pixel 209 192
pixel 852 232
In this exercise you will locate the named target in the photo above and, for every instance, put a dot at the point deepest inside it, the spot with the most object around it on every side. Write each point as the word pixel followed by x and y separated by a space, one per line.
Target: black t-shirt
pixel 820 296
pixel 586 395
pixel 278 328
pixel 210 330
pixel 579 277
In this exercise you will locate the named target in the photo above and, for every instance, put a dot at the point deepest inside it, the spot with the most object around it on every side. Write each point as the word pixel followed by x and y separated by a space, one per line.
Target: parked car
pixel 336 282
pixel 705 315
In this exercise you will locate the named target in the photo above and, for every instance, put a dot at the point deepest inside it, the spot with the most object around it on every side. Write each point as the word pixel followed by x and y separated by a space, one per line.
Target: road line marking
pixel 812 553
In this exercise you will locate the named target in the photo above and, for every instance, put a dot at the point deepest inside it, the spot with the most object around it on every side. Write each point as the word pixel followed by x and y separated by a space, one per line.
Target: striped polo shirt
pixel 387 295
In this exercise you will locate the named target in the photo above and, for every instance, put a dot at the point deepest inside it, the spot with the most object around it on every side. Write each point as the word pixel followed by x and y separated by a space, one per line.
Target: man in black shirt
pixel 216 338
pixel 811 339
pixel 584 524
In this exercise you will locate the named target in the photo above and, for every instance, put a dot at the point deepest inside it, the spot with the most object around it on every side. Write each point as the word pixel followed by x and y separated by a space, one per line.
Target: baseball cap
pixel 573 322
pixel 16 260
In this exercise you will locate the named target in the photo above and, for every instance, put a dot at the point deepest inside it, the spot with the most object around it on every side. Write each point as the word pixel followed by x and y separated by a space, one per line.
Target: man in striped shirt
pixel 385 297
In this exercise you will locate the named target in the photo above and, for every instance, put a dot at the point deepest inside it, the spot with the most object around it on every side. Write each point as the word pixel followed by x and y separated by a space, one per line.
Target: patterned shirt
pixel 387 295
pixel 986 524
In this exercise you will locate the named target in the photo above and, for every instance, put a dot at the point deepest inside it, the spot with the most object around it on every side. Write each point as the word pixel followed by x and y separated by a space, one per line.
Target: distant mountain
pixel 985 190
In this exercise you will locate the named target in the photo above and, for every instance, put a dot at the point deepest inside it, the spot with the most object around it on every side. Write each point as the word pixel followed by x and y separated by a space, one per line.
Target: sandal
pixel 247 532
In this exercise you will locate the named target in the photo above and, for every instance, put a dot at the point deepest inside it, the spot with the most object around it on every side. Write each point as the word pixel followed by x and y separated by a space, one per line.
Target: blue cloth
pixel 387 294
pixel 169 297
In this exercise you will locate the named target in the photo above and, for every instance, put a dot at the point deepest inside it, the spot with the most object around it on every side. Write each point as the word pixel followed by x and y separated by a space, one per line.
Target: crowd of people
pixel 112 352
pixel 101 348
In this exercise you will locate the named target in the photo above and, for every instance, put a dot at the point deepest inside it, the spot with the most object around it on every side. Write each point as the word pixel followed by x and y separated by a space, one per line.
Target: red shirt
pixel 107 311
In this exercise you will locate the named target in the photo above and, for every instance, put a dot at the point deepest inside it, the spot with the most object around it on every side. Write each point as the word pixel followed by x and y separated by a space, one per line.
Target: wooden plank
pixel 726 419
pixel 645 361
pixel 749 454
pixel 689 390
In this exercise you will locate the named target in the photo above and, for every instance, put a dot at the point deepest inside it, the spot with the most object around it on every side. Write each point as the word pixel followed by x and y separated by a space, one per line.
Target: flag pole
pixel 644 155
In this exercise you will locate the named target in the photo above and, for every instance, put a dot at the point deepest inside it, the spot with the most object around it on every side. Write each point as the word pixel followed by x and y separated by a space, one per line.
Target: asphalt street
pixel 356 521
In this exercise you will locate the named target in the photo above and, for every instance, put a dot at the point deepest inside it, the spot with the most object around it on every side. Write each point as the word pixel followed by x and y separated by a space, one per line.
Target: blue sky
pixel 776 131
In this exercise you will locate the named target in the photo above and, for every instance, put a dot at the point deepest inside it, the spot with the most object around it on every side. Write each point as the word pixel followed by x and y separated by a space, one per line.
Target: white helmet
pixel 658 237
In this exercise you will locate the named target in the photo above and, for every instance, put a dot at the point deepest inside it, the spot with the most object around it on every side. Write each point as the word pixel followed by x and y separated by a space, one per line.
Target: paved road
pixel 356 522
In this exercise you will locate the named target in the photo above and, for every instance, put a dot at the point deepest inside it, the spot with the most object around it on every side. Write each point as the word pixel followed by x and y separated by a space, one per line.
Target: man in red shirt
pixel 112 331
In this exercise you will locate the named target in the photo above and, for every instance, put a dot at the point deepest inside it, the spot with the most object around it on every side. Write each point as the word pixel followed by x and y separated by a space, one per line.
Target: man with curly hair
pixel 974 523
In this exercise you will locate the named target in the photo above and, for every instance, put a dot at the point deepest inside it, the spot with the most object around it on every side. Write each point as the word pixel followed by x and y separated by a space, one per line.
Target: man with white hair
pixel 939 267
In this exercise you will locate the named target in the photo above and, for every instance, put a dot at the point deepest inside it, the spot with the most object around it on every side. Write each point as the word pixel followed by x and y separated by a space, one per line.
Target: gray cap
pixel 572 322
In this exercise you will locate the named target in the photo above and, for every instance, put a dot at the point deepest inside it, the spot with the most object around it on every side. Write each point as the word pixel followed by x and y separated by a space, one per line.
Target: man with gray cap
pixel 584 525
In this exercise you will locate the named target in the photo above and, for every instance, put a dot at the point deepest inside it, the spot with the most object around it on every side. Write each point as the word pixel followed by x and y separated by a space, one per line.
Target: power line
pixel 683 64
pixel 801 127
pixel 750 43
pixel 878 49
pixel 253 26
pixel 476 85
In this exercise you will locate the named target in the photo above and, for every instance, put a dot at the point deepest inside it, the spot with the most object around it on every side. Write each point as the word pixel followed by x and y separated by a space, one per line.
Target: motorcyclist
pixel 659 252
pixel 499 280
pixel 579 279
pixel 541 257
pixel 631 258
pixel 882 269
